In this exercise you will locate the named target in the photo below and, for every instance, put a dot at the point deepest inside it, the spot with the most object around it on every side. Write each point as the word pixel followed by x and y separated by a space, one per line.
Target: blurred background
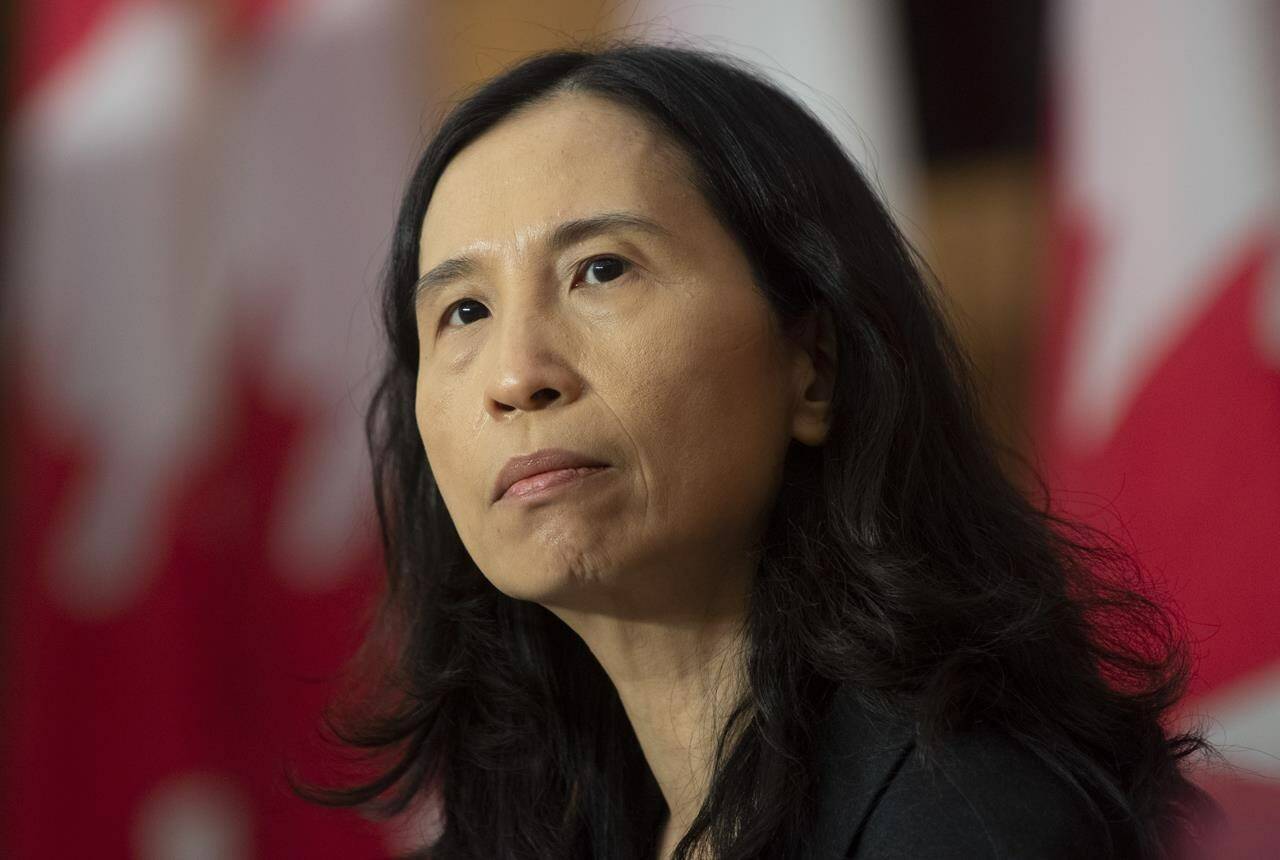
pixel 198 200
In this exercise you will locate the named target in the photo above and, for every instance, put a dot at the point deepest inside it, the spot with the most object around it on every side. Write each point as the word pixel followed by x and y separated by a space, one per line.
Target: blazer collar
pixel 861 751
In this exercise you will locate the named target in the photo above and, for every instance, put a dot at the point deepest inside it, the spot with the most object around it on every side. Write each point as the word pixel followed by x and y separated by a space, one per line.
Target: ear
pixel 815 378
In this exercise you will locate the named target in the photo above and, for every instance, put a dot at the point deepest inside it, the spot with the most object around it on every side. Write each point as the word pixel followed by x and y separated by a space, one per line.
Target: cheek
pixel 425 410
pixel 445 451
pixel 713 400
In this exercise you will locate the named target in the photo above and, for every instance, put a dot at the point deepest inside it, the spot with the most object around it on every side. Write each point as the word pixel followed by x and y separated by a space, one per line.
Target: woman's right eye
pixel 460 308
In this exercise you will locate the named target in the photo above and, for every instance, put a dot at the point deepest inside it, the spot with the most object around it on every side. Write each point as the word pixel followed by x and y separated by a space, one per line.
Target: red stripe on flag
pixel 220 669
pixel 1193 470
pixel 46 33
pixel 49 32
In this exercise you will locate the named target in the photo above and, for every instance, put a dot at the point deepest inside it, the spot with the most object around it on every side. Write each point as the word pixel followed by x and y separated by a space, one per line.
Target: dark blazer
pixel 992 799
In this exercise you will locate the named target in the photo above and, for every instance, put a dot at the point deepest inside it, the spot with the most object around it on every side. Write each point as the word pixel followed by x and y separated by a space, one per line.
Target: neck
pixel 678 677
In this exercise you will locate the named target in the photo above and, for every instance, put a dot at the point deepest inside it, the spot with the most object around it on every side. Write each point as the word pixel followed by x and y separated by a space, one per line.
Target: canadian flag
pixel 1159 402
pixel 200 200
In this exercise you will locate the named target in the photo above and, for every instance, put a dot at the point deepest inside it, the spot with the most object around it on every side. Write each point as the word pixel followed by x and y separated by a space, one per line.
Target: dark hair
pixel 902 556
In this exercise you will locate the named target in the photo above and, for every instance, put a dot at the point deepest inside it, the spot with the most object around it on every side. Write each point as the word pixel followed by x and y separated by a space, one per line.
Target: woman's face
pixel 645 347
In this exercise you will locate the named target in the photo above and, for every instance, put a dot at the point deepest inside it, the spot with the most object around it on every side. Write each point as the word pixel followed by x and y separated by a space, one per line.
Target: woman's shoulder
pixel 984 795
pixel 981 794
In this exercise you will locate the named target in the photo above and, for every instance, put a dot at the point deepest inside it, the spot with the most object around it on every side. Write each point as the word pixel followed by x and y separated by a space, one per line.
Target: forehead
pixel 570 157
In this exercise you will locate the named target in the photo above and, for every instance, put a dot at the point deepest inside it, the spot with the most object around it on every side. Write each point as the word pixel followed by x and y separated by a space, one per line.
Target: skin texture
pixel 671 369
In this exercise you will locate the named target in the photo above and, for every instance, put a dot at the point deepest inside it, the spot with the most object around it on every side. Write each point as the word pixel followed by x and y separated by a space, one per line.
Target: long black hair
pixel 902 557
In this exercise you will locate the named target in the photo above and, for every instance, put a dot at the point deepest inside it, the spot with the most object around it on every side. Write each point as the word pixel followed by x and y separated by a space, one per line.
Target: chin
pixel 572 580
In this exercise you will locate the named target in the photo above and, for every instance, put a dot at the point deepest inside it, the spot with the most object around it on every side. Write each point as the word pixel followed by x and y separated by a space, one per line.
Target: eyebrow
pixel 562 236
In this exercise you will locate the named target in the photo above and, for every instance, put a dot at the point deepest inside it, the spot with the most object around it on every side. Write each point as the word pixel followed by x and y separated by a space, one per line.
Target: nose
pixel 531 369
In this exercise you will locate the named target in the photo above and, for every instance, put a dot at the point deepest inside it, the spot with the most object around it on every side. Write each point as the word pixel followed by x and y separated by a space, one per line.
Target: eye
pixel 606 266
pixel 464 307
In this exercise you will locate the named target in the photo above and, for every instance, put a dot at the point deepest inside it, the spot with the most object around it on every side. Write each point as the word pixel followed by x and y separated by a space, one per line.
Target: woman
pixel 695 543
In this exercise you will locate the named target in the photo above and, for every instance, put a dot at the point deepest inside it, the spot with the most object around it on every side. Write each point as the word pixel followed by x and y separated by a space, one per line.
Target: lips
pixel 543 460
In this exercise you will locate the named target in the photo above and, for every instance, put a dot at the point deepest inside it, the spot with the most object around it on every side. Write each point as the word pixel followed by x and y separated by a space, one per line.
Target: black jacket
pixel 991 797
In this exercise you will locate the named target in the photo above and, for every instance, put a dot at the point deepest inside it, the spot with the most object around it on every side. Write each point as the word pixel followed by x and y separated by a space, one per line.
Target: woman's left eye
pixel 605 268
